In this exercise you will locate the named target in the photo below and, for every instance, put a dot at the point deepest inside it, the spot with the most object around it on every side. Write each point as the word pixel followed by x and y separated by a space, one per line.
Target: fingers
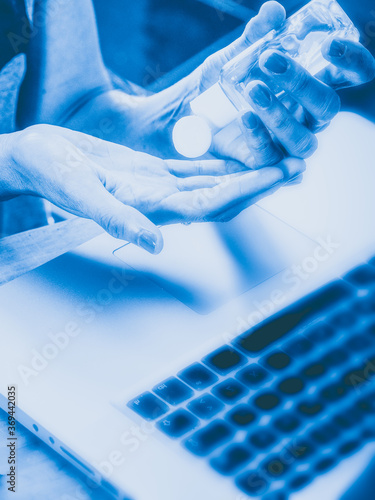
pixel 240 191
pixel 119 220
pixel 271 16
pixel 298 141
pixel 186 168
pixel 355 62
pixel 292 168
pixel 259 141
pixel 204 181
pixel 321 101
pixel 231 213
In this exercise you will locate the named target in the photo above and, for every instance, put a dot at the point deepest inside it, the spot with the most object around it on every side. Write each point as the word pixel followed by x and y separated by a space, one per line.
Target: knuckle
pixel 330 106
pixel 27 142
pixel 111 224
pixel 261 144
pixel 300 83
pixel 30 136
pixel 279 120
pixel 307 145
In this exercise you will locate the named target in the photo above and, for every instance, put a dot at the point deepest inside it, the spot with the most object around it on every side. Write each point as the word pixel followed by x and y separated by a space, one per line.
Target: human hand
pixel 307 106
pixel 127 192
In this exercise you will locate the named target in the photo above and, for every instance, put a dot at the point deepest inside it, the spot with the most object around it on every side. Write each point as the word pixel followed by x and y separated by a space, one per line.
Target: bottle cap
pixel 192 136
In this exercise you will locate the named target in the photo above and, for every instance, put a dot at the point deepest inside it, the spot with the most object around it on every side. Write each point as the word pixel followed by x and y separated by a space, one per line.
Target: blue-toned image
pixel 187 252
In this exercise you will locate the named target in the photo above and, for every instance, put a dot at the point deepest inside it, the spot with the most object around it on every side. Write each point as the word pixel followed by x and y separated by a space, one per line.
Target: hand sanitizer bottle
pixel 301 37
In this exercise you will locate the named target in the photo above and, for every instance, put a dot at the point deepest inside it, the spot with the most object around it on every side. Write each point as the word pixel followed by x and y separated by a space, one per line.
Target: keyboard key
pixel 274 329
pixel 287 423
pixel 314 370
pixel 325 464
pixel 177 423
pixel 365 305
pixel 277 361
pixel 348 419
pixel 367 404
pixel 267 401
pixel 205 406
pixel 350 446
pixel 229 391
pixel 275 467
pixel 343 320
pixel 321 332
pixel 363 276
pixel 302 449
pixel 198 377
pixel 300 481
pixel 368 434
pixel 173 391
pixel 355 378
pixel 252 483
pixel 204 441
pixel 310 408
pixel 231 460
pixel 333 392
pixel 262 438
pixel 291 385
pixel 252 376
pixel 224 360
pixel 325 434
pixel 335 358
pixel 298 347
pixel 148 406
pixel 241 416
pixel 276 495
pixel 359 343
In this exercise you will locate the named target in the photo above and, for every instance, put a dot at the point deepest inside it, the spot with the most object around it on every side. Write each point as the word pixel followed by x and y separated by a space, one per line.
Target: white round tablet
pixel 192 136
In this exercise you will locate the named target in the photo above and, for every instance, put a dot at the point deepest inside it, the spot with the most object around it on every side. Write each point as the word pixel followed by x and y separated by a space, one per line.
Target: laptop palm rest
pixel 206 265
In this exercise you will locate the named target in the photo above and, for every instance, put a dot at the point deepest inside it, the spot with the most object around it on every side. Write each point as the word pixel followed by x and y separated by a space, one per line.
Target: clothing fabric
pixel 24 212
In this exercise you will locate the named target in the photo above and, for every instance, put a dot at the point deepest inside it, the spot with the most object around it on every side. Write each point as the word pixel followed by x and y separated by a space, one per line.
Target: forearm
pixel 64 63
pixel 67 83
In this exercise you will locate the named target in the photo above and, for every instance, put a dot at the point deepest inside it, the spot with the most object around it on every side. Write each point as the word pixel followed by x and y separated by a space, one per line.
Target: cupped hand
pixel 128 192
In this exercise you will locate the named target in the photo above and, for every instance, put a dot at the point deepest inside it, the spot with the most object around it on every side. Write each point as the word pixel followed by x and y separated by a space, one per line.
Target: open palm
pixel 128 192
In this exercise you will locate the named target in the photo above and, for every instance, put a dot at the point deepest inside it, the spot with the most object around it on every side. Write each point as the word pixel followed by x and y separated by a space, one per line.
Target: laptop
pixel 158 381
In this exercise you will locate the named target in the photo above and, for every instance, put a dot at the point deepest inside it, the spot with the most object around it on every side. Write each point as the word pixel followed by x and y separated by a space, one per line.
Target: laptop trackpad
pixel 206 265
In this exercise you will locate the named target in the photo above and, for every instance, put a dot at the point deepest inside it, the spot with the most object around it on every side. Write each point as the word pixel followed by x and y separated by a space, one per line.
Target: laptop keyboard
pixel 285 401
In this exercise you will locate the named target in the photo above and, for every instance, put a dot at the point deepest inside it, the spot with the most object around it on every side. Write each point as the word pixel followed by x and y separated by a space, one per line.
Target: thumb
pixel 122 221
pixel 271 16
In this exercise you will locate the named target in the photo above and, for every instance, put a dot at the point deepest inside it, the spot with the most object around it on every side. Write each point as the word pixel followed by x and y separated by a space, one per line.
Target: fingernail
pixel 337 49
pixel 261 96
pixel 276 63
pixel 147 240
pixel 250 120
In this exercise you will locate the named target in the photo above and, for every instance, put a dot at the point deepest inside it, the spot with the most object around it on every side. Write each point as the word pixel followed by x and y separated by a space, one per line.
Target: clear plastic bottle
pixel 301 37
